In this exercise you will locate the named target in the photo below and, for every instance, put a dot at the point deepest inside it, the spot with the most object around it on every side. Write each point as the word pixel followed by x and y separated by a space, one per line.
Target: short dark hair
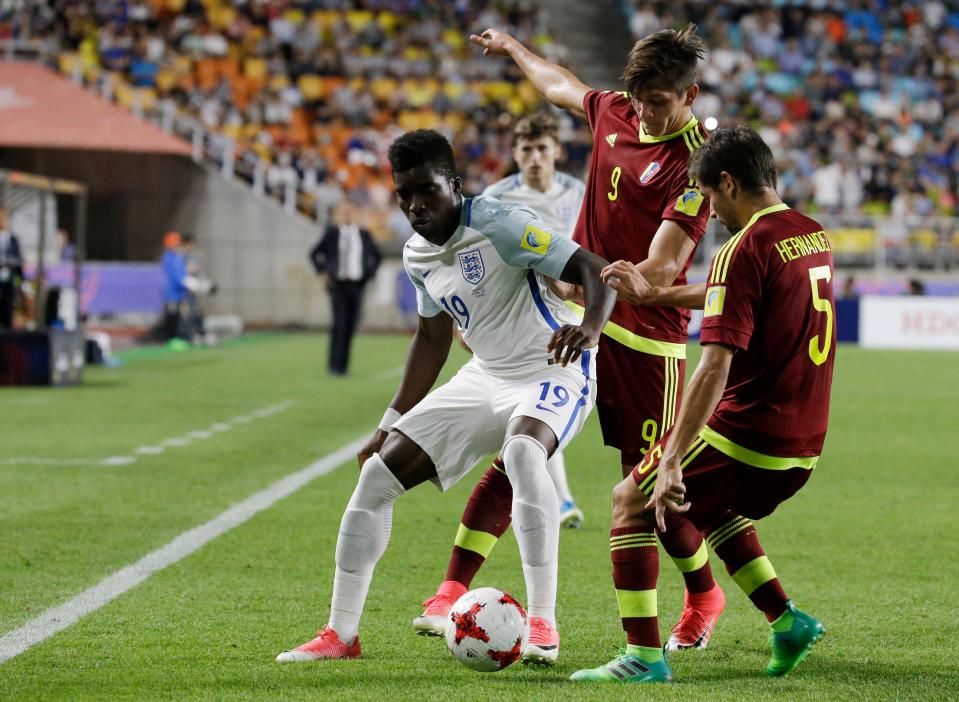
pixel 739 151
pixel 423 146
pixel 665 60
pixel 536 125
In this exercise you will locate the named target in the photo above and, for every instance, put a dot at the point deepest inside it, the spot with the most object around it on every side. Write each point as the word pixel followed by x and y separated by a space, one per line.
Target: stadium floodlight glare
pixel 711 123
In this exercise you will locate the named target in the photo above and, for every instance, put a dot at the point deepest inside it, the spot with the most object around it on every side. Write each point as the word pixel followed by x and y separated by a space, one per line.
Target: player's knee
pixel 377 485
pixel 522 453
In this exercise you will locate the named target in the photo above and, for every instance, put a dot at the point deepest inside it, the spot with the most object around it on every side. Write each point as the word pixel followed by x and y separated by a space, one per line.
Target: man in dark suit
pixel 11 270
pixel 346 258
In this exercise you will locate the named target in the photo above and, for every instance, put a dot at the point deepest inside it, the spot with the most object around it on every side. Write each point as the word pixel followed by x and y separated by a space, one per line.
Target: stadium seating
pixel 283 78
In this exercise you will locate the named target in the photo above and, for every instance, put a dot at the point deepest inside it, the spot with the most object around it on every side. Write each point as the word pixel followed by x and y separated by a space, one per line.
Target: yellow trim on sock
pixel 721 536
pixel 694 562
pixel 480 542
pixel 637 603
pixel 751 576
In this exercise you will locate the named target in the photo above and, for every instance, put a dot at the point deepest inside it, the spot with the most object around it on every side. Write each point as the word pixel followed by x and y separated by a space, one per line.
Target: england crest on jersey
pixel 471 263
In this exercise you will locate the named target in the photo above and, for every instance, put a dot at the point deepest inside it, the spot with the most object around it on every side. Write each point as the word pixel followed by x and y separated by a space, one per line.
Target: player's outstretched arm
pixel 424 361
pixel 557 85
pixel 627 280
pixel 569 341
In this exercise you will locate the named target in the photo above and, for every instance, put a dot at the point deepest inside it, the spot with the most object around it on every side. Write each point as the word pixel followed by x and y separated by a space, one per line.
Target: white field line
pixel 58 618
pixel 159 447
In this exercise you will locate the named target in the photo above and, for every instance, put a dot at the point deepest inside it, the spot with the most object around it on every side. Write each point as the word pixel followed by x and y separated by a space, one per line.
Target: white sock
pixel 364 534
pixel 535 522
pixel 556 467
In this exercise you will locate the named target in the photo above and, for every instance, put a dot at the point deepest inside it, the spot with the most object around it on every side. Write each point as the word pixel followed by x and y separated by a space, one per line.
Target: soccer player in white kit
pixel 527 391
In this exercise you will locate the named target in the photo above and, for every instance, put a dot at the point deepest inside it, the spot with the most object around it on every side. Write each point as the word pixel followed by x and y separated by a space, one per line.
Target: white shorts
pixel 464 420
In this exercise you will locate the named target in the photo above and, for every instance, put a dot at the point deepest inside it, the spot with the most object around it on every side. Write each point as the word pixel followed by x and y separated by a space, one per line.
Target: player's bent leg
pixel 362 540
pixel 536 526
pixel 704 599
pixel 792 631
pixel 485 519
pixel 570 516
pixel 635 557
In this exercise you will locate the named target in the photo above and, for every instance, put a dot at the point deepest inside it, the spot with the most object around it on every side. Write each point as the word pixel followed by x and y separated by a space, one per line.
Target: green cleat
pixel 626 668
pixel 792 644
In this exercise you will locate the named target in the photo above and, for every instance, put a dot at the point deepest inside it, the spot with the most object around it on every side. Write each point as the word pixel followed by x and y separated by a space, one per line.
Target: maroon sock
pixel 736 542
pixel 682 541
pixel 635 557
pixel 488 511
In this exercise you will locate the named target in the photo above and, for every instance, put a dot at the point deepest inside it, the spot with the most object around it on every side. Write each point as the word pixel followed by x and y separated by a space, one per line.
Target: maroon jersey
pixel 769 295
pixel 635 182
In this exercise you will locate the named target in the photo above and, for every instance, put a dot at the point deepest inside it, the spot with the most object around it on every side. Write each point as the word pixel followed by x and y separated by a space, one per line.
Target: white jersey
pixel 489 278
pixel 558 207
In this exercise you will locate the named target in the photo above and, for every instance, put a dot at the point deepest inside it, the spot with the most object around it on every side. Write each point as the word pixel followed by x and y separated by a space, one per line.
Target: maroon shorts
pixel 638 397
pixel 716 483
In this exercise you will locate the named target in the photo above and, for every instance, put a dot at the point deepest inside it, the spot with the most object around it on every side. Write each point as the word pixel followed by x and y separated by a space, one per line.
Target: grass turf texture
pixel 864 546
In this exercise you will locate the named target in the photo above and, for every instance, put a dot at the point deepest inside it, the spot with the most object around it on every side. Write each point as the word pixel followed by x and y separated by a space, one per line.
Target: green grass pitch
pixel 868 546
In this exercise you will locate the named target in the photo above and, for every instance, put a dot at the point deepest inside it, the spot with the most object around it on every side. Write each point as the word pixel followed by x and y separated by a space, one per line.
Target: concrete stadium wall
pixel 255 250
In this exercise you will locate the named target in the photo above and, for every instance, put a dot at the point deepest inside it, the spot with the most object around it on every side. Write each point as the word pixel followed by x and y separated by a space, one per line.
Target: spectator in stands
pixel 346 258
pixel 308 87
pixel 11 270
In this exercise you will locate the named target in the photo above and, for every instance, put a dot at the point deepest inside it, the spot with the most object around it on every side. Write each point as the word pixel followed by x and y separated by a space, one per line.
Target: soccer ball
pixel 488 630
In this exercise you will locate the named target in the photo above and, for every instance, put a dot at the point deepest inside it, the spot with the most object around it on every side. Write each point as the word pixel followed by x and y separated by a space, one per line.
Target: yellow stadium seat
pixel 70 62
pixel 454 38
pixel 388 21
pixel 311 87
pixel 924 239
pixel 358 19
pixel 255 68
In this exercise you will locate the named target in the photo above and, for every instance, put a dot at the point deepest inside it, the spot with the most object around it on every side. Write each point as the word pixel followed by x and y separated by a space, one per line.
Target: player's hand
pixel 372 446
pixel 669 493
pixel 494 41
pixel 624 277
pixel 569 342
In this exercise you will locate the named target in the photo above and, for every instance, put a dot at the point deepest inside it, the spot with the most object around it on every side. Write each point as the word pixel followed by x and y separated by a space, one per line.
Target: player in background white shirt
pixel 526 392
pixel 556 197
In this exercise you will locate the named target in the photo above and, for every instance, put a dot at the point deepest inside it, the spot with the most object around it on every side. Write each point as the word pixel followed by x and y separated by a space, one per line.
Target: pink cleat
pixel 436 616
pixel 543 647
pixel 327 644
pixel 700 613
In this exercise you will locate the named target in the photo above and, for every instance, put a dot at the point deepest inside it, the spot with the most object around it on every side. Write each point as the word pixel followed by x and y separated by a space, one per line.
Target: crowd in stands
pixel 315 89
pixel 858 98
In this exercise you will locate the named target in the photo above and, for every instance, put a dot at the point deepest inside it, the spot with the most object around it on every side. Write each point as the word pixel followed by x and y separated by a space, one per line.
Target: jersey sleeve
pixel 521 238
pixel 687 206
pixel 733 295
pixel 596 102
pixel 425 305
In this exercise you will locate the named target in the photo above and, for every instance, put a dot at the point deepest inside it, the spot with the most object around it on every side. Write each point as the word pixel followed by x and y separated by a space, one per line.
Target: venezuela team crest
pixel 471 263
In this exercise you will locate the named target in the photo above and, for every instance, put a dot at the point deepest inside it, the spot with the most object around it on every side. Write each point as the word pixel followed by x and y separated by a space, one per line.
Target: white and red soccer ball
pixel 488 630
